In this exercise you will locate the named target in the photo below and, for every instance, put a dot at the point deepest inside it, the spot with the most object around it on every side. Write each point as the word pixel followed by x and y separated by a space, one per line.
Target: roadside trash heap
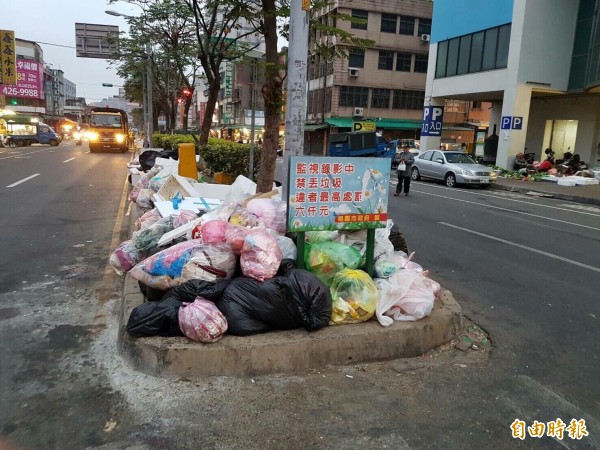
pixel 215 259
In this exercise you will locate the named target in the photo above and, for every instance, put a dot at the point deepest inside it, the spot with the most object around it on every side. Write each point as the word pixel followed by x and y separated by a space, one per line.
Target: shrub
pixel 229 157
pixel 219 155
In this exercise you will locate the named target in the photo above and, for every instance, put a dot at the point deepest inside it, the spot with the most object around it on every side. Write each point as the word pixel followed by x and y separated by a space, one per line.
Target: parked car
pixel 451 167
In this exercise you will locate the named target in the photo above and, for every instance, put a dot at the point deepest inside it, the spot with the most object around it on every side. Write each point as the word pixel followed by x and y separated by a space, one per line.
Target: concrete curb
pixel 557 195
pixel 288 352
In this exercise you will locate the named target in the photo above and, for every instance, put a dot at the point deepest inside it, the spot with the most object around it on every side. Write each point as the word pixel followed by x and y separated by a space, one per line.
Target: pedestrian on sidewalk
pixel 404 170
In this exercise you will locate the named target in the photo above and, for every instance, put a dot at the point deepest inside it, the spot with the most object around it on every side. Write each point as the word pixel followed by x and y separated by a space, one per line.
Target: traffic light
pixel 13 101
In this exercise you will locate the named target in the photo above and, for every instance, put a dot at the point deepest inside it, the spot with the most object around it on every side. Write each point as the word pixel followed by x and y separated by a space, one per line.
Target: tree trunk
pixel 272 95
pixel 213 94
pixel 186 112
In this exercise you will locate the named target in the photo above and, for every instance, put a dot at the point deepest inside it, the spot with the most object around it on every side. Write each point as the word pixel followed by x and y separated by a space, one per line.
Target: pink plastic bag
pixel 147 219
pixel 234 236
pixel 143 183
pixel 184 217
pixel 272 213
pixel 261 255
pixel 124 257
pixel 202 321
pixel 213 231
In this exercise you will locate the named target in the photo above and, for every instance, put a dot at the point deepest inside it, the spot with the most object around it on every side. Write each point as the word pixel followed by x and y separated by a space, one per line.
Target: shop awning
pixel 388 124
pixel 315 126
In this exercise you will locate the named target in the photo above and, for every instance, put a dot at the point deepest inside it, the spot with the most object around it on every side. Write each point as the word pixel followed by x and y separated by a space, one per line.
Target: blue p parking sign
pixel 511 123
pixel 433 117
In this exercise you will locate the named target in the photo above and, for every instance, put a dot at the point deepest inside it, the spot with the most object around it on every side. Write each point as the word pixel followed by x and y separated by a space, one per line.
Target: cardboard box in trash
pixel 173 186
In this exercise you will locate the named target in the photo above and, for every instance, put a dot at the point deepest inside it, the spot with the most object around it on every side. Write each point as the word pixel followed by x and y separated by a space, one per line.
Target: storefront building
pixel 536 61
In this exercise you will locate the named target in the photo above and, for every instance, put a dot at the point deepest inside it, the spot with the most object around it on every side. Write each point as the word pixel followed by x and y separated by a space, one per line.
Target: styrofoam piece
pixel 566 181
pixel 173 186
pixel 584 181
pixel 196 204
pixel 178 232
pixel 212 190
pixel 166 162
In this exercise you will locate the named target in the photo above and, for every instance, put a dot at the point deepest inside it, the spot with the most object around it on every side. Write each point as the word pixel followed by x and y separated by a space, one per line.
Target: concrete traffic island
pixel 286 352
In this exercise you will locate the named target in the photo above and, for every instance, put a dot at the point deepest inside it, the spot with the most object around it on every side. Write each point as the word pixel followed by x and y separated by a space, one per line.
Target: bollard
pixel 187 161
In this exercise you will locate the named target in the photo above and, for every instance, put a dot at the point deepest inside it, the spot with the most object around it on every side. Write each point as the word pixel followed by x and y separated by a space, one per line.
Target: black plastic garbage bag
pixel 152 294
pixel 397 239
pixel 148 158
pixel 294 299
pixel 155 319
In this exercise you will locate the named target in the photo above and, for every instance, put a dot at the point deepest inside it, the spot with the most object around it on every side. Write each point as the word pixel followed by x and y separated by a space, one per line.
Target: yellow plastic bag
pixel 354 296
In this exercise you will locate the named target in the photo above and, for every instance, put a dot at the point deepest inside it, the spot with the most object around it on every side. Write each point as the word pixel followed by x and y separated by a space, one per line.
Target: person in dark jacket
pixel 404 171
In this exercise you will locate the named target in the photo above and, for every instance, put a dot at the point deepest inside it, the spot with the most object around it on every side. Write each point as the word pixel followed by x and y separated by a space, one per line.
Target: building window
pixel 421 63
pixel 489 49
pixel 503 44
pixel 407 25
pixel 380 98
pixel 356 58
pixel 463 55
pixel 388 23
pixel 362 16
pixel 404 99
pixel 442 58
pixel 386 60
pixel 424 26
pixel 476 52
pixel 403 61
pixel 353 96
pixel 452 63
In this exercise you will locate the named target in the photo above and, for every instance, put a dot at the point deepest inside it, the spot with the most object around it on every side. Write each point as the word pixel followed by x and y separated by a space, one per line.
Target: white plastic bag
pixel 405 296
pixel 287 246
pixel 389 264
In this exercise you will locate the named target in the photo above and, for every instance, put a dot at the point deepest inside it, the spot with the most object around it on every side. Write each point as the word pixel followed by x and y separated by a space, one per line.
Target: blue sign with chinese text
pixel 327 193
pixel 433 117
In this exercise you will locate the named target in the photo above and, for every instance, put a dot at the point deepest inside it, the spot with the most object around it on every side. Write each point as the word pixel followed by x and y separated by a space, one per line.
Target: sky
pixel 53 21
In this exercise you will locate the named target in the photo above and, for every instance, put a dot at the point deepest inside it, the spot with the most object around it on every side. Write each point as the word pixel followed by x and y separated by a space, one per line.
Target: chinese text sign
pixel 327 193
pixel 29 80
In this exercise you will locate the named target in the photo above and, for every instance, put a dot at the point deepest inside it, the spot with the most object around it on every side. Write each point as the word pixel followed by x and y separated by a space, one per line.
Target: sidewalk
pixel 580 194
pixel 289 352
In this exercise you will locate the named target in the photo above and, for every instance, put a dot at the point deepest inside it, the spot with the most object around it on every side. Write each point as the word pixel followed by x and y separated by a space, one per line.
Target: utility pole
pixel 295 113
pixel 253 120
pixel 149 85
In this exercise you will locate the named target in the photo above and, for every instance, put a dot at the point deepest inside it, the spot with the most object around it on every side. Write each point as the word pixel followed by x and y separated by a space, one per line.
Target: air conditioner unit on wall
pixel 357 112
pixel 425 38
pixel 353 72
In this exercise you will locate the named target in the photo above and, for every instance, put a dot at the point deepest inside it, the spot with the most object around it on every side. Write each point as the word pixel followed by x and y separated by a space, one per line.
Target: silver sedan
pixel 451 167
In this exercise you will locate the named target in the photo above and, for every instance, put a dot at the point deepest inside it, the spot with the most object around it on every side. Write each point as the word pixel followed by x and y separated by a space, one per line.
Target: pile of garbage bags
pixel 233 270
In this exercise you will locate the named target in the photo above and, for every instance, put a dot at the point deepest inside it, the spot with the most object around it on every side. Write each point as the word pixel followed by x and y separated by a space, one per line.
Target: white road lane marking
pixel 512 210
pixel 23 180
pixel 67 160
pixel 524 247
pixel 503 195
pixel 593 209
pixel 25 154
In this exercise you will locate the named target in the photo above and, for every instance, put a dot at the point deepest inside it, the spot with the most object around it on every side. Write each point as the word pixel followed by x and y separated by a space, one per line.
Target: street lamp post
pixel 148 113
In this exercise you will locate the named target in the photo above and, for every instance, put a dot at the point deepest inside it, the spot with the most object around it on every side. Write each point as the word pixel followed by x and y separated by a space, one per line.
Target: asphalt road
pixel 524 269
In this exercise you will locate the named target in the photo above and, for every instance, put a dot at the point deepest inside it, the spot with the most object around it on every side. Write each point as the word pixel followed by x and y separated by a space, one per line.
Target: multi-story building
pixel 70 90
pixel 384 83
pixel 536 61
pixel 27 96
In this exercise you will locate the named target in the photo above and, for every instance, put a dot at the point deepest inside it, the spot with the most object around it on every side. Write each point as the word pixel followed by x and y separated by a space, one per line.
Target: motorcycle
pixel 571 164
pixel 77 136
pixel 524 161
